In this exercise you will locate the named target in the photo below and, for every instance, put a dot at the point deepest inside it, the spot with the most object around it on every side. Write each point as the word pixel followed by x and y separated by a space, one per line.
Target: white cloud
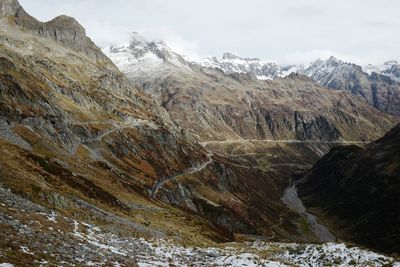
pixel 362 30
pixel 176 42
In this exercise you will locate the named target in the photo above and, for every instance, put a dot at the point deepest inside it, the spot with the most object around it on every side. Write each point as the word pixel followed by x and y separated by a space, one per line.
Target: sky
pixel 284 31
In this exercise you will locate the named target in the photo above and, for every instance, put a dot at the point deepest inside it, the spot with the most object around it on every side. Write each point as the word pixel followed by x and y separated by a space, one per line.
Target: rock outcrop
pixel 63 29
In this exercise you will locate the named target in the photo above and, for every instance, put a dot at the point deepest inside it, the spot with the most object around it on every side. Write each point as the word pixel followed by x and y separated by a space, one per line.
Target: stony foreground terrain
pixel 34 235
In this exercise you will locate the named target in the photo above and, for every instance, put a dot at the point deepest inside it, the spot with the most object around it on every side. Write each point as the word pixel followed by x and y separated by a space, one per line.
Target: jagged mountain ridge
pixel 366 181
pixel 140 56
pixel 380 87
pixel 389 68
pixel 63 29
pixel 379 90
pixel 263 70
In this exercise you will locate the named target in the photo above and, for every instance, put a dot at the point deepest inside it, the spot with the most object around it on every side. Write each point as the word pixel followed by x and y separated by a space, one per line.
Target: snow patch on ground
pixel 83 243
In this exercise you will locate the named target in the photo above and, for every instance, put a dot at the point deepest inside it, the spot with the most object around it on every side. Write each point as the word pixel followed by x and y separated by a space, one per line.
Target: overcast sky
pixel 286 31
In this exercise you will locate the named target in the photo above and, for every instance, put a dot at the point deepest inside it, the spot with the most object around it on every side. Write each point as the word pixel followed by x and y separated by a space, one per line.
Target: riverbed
pixel 292 200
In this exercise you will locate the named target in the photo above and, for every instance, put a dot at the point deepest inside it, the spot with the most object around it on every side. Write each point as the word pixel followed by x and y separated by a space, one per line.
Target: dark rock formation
pixel 357 192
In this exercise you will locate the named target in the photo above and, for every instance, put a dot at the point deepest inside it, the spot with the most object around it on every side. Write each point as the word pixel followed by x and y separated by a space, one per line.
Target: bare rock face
pixel 62 29
pixel 9 7
pixel 65 30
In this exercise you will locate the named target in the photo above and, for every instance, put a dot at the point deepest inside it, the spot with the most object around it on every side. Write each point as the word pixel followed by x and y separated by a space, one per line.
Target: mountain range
pixel 378 85
pixel 136 155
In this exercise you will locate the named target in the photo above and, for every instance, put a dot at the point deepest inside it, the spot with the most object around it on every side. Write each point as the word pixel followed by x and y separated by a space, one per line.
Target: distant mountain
pixel 379 90
pixel 378 85
pixel 141 57
pixel 264 70
pixel 356 191
pixel 389 68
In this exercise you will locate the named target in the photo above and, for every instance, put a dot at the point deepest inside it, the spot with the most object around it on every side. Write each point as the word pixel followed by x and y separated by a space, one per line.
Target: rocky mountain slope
pixel 379 90
pixel 77 134
pixel 356 190
pixel 34 235
pixel 80 139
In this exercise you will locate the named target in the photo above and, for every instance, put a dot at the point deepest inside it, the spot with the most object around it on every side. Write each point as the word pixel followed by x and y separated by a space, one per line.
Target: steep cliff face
pixel 356 191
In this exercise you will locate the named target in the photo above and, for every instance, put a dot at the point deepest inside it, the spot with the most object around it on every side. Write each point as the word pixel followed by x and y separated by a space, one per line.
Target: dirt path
pixel 287 141
pixel 115 127
pixel 191 170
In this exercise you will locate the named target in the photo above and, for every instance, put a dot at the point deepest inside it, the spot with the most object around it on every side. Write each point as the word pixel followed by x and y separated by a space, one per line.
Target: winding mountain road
pixel 115 127
pixel 285 141
pixel 191 170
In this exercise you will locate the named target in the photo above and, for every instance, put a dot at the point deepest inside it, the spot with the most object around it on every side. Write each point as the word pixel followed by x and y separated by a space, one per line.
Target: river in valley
pixel 292 200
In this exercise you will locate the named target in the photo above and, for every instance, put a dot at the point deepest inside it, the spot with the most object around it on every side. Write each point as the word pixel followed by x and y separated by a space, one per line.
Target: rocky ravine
pixel 256 122
pixel 356 190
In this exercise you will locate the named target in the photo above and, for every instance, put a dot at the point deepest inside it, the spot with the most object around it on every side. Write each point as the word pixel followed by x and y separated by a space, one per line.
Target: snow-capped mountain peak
pixel 231 63
pixel 389 68
pixel 143 57
pixel 230 56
